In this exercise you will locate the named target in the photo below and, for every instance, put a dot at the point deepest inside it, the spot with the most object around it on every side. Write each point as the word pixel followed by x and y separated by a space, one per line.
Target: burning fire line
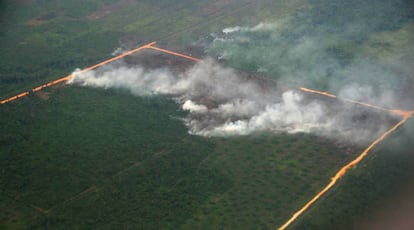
pixel 393 111
pixel 368 105
pixel 397 112
pixel 344 169
pixel 317 92
pixel 404 114
pixel 149 45
pixel 175 53
pixel 67 78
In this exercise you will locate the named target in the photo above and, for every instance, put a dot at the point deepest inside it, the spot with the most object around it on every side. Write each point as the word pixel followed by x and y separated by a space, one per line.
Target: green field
pixel 81 158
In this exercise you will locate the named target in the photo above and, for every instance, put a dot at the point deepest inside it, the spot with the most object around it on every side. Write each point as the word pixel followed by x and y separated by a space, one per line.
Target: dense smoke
pixel 349 48
pixel 219 101
pixel 222 102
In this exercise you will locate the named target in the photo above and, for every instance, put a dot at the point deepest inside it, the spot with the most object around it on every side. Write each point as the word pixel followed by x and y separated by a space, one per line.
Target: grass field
pixel 81 158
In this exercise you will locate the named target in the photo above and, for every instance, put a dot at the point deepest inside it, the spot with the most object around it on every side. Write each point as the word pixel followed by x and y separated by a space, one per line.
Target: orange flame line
pixel 343 171
pixel 397 112
pixel 175 54
pixel 405 114
pixel 401 113
pixel 367 105
pixel 317 92
pixel 149 45
pixel 68 77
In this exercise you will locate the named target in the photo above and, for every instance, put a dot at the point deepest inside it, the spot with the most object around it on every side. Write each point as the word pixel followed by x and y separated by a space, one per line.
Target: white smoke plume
pixel 344 47
pixel 223 102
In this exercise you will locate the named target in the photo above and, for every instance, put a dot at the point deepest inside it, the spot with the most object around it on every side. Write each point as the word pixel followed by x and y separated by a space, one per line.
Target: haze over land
pixel 217 108
pixel 357 49
pixel 157 141
pixel 314 48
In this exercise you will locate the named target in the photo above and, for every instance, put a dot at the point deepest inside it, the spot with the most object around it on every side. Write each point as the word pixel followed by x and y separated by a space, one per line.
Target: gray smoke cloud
pixel 221 101
pixel 357 49
pixel 350 48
